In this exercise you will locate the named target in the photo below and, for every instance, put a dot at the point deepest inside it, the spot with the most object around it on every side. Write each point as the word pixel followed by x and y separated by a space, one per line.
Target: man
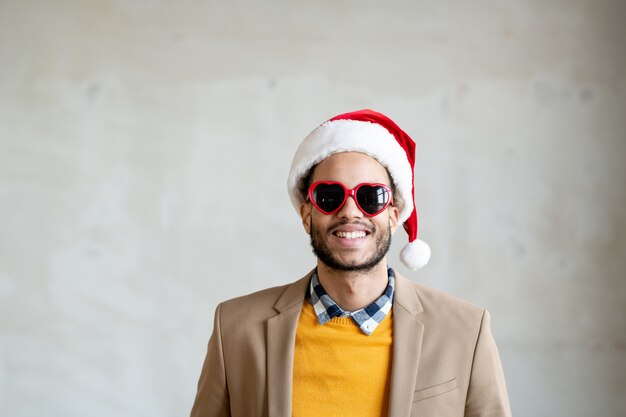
pixel 353 337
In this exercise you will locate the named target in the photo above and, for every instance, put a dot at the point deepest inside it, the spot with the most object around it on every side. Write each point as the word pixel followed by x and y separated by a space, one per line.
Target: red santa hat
pixel 376 135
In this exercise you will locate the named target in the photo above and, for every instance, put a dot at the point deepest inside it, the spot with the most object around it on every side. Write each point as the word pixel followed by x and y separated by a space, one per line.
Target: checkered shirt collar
pixel 367 318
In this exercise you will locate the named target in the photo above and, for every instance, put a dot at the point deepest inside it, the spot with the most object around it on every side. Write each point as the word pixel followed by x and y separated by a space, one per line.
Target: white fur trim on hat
pixel 343 135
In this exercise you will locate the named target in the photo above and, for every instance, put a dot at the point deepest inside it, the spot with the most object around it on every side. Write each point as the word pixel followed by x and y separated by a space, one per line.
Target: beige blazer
pixel 445 361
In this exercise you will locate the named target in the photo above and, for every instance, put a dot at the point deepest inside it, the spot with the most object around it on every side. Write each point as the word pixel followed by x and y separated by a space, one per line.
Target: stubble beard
pixel 325 254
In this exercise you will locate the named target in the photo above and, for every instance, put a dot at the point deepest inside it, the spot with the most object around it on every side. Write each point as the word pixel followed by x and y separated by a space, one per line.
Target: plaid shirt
pixel 367 318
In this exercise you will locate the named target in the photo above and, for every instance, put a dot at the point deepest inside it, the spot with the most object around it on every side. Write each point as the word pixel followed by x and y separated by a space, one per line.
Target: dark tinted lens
pixel 328 197
pixel 372 199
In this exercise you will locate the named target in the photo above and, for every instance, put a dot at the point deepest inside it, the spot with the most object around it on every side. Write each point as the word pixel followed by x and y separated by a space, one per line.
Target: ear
pixel 305 215
pixel 394 217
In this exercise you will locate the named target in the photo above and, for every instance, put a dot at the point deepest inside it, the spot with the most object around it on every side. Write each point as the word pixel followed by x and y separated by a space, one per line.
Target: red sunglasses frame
pixel 349 193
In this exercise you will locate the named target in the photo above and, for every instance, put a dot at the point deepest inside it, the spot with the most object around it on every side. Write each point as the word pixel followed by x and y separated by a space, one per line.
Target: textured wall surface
pixel 144 148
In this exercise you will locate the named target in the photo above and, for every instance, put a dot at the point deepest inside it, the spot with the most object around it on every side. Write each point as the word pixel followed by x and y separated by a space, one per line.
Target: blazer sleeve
pixel 487 395
pixel 212 398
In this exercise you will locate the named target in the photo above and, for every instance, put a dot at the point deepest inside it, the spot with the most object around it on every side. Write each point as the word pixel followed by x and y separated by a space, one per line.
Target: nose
pixel 350 210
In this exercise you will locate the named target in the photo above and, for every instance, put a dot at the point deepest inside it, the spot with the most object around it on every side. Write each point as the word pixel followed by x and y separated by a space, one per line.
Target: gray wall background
pixel 144 148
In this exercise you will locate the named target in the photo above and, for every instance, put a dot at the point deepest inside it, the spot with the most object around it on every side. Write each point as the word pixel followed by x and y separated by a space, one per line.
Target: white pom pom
pixel 415 254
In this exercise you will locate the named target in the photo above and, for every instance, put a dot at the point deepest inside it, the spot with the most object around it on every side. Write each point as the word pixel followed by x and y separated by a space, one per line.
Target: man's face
pixel 348 239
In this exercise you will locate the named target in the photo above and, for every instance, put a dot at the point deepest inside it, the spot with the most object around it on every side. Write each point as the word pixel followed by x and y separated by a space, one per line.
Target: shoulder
pixel 441 309
pixel 432 299
pixel 262 304
pixel 262 299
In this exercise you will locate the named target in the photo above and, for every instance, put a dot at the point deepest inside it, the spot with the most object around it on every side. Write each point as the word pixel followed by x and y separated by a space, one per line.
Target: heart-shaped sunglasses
pixel 330 196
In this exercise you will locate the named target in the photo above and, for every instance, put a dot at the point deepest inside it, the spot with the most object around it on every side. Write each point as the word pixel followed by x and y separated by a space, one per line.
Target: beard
pixel 324 253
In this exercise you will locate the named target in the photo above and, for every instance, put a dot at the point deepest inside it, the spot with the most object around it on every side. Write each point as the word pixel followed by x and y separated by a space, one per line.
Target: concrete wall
pixel 144 148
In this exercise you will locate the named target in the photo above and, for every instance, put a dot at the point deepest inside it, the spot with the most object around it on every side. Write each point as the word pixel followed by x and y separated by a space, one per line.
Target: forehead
pixel 351 168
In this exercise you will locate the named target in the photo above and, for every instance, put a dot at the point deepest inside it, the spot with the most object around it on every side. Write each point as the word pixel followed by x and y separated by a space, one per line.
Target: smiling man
pixel 353 337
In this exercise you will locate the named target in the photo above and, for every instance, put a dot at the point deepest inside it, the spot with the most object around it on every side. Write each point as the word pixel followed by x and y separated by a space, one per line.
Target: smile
pixel 351 235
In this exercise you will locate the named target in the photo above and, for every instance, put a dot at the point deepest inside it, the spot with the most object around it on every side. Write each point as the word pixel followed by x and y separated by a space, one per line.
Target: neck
pixel 353 290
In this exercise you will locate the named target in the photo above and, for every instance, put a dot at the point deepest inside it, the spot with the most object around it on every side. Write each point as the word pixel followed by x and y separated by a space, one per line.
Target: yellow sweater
pixel 340 371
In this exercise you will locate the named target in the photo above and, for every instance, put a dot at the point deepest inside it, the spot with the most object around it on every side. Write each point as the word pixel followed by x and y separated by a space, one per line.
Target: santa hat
pixel 376 135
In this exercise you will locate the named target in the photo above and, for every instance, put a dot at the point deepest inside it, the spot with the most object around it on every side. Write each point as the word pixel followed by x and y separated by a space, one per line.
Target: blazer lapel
pixel 407 345
pixel 281 335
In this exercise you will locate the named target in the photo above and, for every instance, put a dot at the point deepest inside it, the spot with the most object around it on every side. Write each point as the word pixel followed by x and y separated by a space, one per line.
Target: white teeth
pixel 351 235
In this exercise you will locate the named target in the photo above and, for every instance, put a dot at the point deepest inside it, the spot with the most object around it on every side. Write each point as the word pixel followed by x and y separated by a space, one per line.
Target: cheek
pixel 386 223
pixel 319 222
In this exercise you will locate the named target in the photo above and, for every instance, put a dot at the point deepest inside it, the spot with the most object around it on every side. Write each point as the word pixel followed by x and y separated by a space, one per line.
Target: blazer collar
pixel 293 295
pixel 406 296
pixel 281 337
pixel 408 332
pixel 407 345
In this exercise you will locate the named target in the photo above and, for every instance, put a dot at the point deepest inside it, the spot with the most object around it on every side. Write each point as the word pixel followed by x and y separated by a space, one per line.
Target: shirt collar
pixel 367 318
